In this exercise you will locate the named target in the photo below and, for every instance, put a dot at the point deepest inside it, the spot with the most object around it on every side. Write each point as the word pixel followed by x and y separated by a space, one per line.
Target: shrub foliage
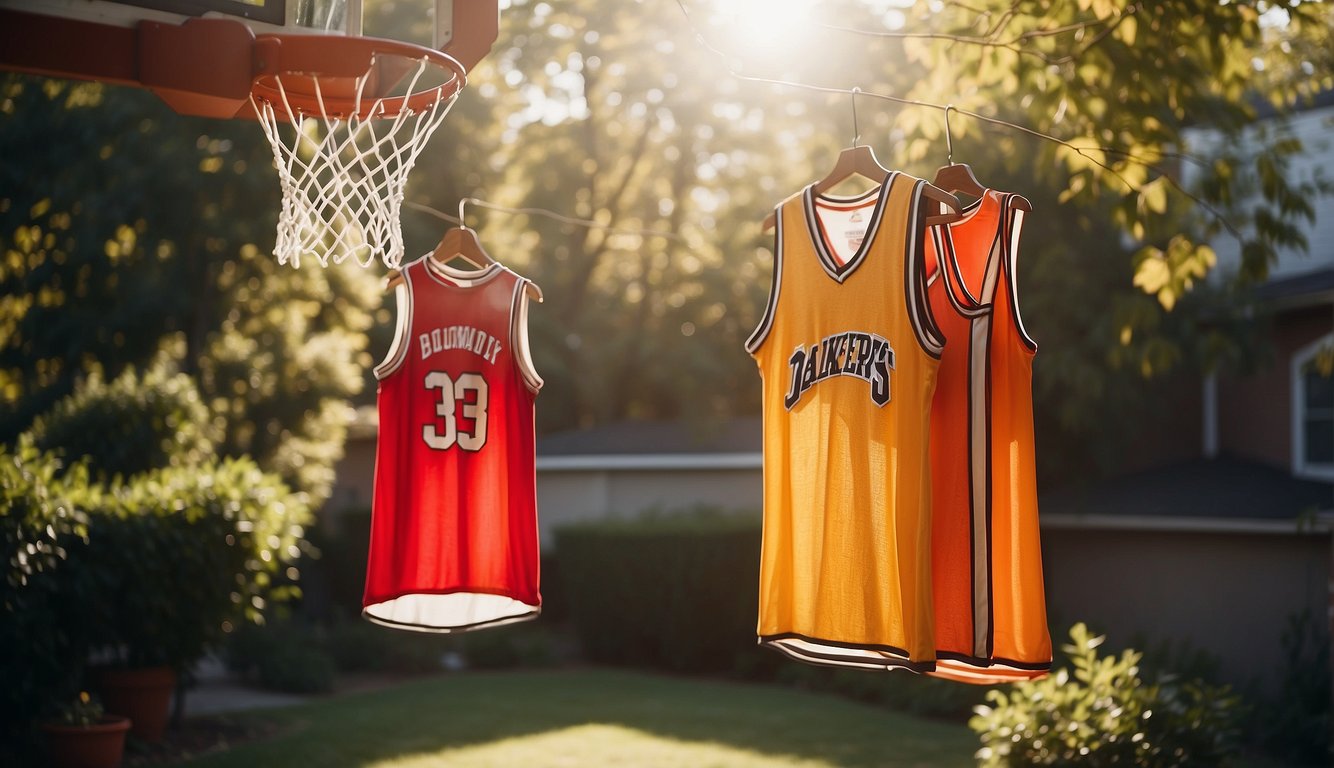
pixel 179 554
pixel 674 592
pixel 1104 713
pixel 154 571
pixel 41 518
pixel 131 424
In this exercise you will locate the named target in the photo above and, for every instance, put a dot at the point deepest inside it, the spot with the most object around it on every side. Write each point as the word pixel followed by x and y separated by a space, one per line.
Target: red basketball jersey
pixel 454 517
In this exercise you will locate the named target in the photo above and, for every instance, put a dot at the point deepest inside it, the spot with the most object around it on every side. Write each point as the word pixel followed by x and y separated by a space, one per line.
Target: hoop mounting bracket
pixel 216 85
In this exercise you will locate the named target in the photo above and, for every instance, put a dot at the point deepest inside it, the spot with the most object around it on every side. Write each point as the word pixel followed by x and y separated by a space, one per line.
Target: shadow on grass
pixel 426 722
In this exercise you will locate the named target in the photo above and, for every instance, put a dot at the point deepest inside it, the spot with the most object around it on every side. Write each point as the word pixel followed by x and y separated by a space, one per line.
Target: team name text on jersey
pixel 865 356
pixel 459 337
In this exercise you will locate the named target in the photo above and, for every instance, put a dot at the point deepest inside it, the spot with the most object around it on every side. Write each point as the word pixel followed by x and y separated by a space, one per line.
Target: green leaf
pixel 1154 195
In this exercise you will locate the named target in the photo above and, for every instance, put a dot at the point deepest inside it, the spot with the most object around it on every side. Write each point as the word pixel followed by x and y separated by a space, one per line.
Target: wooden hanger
pixel 462 242
pixel 959 177
pixel 859 159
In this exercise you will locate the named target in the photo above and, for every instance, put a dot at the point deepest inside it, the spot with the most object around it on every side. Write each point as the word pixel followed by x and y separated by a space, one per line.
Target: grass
pixel 595 717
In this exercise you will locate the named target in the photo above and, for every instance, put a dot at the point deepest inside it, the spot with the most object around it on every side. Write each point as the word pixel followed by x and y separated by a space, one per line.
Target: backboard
pixel 330 17
pixel 200 56
pixel 346 114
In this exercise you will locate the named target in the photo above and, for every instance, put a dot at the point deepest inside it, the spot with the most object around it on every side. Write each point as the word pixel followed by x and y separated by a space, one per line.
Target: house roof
pixel 1225 487
pixel 1264 109
pixel 1294 291
pixel 743 435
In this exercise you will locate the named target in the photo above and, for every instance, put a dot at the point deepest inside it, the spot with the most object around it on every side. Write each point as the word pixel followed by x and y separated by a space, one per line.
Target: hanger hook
pixel 463 221
pixel 949 137
pixel 856 130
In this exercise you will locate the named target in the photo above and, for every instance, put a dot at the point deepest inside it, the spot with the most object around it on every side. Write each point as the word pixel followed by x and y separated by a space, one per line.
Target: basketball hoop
pixel 351 138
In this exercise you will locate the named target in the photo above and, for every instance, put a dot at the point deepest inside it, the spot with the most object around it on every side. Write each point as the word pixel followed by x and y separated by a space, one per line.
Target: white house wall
pixel 580 495
pixel 1315 129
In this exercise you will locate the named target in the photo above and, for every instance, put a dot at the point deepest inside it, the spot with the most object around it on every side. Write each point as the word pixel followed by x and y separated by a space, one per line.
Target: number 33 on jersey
pixel 454 516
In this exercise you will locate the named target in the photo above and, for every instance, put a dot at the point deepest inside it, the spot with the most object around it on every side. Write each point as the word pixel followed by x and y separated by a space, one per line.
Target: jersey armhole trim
pixel 398 348
pixel 523 356
pixel 928 334
pixel 1014 218
pixel 771 305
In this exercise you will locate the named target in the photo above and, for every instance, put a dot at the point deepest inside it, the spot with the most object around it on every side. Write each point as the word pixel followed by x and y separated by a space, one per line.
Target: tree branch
pixel 989 40
pixel 1084 152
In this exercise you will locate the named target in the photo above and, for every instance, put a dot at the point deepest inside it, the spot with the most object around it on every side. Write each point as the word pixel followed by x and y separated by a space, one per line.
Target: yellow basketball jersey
pixel 847 353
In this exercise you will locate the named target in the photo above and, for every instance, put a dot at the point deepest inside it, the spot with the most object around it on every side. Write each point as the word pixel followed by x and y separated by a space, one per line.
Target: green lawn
pixel 596 717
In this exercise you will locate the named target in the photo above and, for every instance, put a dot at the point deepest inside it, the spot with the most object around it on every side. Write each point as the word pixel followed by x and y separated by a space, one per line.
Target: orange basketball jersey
pixel 847 354
pixel 454 514
pixel 990 612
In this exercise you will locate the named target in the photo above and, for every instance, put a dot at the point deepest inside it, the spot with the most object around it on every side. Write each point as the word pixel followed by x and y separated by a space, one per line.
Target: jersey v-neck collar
pixel 819 238
pixel 460 278
pixel 969 302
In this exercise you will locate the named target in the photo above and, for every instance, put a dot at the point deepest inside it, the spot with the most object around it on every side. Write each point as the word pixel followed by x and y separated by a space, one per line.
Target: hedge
pixel 131 424
pixel 674 592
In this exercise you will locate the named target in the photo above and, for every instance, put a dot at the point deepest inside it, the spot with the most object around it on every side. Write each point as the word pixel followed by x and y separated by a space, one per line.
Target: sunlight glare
pixel 766 25
pixel 597 744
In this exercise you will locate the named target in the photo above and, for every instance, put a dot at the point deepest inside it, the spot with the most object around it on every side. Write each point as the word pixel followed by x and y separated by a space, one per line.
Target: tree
pixel 152 241
pixel 1137 183
pixel 607 113
pixel 614 110
pixel 618 114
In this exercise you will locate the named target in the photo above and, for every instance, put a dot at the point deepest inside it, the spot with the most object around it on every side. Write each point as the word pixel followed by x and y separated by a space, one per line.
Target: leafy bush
pixel 283 657
pixel 673 592
pixel 1104 713
pixel 527 644
pixel 360 646
pixel 340 568
pixel 183 552
pixel 1296 725
pixel 42 522
pixel 132 424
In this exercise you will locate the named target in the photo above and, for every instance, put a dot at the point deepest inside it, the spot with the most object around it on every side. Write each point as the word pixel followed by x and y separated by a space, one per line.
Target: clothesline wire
pixel 545 212
pixel 703 41
pixel 1082 151
pixel 992 38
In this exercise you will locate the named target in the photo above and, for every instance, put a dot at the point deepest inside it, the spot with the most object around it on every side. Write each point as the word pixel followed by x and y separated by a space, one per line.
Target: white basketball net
pixel 343 178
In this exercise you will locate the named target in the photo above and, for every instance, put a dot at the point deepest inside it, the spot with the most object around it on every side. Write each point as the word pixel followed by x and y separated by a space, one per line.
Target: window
pixel 1313 410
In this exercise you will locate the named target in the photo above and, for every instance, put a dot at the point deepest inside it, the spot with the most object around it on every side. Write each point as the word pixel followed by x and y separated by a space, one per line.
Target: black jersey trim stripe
pixel 923 296
pixel 953 277
pixel 1015 225
pixel 990 497
pixel 979 475
pixel 927 333
pixel 995 266
pixel 969 211
pixel 995 676
pixel 834 644
pixel 761 331
pixel 403 314
pixel 897 657
pixel 995 259
pixel 951 658
pixel 819 239
pixel 964 299
pixel 527 616
pixel 884 663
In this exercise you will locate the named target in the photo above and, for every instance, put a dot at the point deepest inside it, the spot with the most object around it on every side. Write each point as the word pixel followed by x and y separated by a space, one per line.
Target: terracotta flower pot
pixel 100 745
pixel 143 695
